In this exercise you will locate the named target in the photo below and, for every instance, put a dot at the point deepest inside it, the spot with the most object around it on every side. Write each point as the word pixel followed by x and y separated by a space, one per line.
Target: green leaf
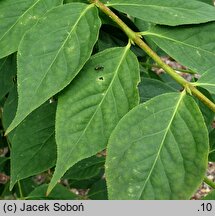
pixel 192 46
pixel 58 52
pixel 150 88
pixel 89 109
pixel 207 80
pixel 17 17
pixel 166 12
pixel 33 144
pixel 86 168
pixel 58 193
pixel 98 191
pixel 7 73
pixel 158 150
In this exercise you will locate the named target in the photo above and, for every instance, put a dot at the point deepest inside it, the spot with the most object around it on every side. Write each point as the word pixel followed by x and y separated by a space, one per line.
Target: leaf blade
pixel 166 12
pixel 98 98
pixel 55 55
pixel 146 170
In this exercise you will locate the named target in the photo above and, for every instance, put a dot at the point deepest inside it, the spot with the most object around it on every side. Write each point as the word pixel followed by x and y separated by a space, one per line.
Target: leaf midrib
pixel 163 140
pixel 205 84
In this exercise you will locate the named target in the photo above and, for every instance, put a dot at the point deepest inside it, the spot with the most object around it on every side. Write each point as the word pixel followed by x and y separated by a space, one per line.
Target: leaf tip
pixel 48 192
pixel 16 121
pixel 12 183
pixel 50 187
pixel 9 129
pixel 52 184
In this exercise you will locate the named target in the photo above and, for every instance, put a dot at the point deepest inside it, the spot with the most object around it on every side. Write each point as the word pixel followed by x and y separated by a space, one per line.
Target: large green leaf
pixel 192 46
pixel 207 80
pixel 33 144
pixel 17 17
pixel 59 49
pixel 166 12
pixel 158 150
pixel 7 73
pixel 89 109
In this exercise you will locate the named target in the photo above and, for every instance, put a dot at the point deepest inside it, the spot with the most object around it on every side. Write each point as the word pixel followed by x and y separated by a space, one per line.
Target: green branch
pixel 136 39
pixel 209 182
